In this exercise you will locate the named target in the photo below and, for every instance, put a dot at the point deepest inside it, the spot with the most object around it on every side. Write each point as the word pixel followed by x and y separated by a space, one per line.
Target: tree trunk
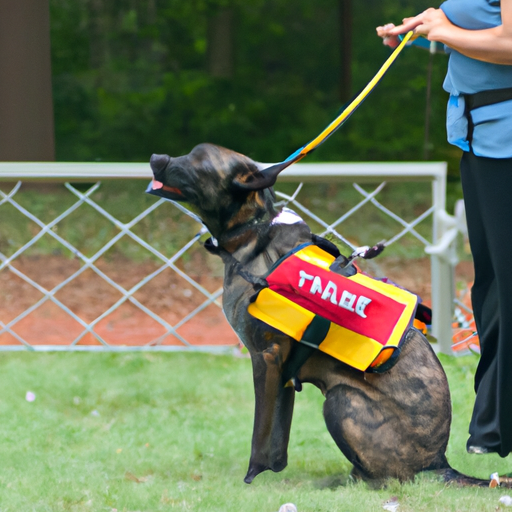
pixel 99 51
pixel 345 27
pixel 220 44
pixel 26 103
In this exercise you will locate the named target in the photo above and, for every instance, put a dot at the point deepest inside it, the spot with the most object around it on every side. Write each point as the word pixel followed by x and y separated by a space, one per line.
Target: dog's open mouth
pixel 157 188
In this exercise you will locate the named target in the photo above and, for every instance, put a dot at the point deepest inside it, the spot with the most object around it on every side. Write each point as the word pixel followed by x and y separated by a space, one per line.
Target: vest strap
pixel 314 334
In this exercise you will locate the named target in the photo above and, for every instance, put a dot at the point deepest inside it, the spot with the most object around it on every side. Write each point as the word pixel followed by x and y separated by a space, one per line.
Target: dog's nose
pixel 159 162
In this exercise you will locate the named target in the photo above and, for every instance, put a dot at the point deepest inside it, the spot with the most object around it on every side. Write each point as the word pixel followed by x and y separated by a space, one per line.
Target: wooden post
pixel 26 104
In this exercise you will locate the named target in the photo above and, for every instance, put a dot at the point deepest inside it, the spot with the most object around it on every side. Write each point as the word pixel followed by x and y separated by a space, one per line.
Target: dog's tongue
pixel 157 188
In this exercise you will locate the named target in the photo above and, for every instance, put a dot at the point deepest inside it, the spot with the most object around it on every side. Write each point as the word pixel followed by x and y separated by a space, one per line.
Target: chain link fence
pixel 89 262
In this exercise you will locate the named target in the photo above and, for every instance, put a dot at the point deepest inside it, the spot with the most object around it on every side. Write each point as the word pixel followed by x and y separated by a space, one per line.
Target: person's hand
pixel 431 23
pixel 388 39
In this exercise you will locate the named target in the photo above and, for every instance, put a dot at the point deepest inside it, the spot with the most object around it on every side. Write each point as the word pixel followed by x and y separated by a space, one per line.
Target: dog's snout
pixel 159 162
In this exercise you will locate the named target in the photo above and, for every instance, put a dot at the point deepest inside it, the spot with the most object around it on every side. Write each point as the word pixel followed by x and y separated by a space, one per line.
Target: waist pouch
pixel 356 319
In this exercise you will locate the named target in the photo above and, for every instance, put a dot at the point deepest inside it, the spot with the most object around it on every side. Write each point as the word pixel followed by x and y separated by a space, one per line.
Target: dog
pixel 389 425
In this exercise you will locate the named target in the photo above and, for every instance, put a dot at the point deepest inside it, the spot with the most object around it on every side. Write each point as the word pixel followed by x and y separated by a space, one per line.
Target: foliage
pixel 131 79
pixel 149 432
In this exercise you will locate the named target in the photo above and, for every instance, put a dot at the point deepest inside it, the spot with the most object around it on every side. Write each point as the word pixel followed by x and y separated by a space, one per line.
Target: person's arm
pixel 490 45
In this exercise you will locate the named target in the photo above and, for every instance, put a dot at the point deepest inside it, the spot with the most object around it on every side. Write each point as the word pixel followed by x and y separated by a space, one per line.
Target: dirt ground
pixel 168 295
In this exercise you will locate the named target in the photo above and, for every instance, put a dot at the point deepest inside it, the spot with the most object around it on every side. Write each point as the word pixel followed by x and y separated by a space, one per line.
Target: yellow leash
pixel 349 110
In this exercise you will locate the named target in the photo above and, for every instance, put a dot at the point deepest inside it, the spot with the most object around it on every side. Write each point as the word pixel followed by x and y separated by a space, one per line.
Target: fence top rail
pixel 311 172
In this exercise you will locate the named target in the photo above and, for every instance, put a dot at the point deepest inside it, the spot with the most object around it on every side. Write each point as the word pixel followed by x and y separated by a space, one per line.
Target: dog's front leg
pixel 273 414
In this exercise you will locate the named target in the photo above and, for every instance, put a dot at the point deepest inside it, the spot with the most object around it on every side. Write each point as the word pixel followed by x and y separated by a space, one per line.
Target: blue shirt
pixel 492 135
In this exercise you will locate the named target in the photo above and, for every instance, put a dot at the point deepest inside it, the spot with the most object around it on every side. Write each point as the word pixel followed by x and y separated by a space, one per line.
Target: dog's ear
pixel 264 177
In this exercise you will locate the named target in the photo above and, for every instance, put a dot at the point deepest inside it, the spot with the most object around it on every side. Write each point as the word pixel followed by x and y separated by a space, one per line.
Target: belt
pixel 484 98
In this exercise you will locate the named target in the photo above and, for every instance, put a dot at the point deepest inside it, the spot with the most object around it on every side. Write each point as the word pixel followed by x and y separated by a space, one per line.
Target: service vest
pixel 367 318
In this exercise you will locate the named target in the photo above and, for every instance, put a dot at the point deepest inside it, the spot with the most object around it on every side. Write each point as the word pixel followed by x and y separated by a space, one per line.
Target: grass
pixel 157 432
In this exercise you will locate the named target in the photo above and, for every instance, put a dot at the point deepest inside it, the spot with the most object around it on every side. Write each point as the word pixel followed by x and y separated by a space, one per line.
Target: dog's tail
pixel 453 476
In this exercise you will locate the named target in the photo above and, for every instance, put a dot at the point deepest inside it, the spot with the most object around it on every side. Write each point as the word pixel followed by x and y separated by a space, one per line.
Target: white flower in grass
pixel 288 507
pixel 391 505
pixel 506 500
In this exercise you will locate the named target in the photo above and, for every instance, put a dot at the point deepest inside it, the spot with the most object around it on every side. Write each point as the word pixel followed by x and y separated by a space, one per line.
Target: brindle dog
pixel 393 424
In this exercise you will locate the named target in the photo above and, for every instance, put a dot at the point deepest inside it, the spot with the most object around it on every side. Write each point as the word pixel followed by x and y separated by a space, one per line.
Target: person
pixel 477 35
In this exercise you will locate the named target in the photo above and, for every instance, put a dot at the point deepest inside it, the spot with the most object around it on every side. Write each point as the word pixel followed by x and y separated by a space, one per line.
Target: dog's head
pixel 224 188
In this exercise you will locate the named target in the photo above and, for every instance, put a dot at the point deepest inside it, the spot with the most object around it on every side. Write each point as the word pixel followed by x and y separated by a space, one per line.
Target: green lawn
pixel 155 431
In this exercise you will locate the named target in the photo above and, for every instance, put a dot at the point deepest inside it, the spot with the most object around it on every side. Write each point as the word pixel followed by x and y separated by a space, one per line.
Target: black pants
pixel 487 186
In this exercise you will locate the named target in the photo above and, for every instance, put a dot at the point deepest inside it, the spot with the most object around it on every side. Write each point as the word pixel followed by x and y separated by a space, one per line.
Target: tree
pixel 259 76
pixel 220 44
pixel 346 21
pixel 26 108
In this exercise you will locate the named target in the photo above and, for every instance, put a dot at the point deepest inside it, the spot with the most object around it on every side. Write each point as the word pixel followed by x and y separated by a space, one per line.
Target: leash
pixel 345 114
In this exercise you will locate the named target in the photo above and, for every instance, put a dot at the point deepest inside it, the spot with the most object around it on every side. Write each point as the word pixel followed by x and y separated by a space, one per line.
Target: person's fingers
pixel 405 27
pixel 392 42
pixel 383 30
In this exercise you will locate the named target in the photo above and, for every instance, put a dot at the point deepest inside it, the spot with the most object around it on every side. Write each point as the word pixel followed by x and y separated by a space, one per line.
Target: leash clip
pixel 366 252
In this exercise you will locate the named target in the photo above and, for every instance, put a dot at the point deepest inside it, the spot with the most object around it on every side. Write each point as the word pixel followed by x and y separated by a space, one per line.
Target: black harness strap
pixel 489 97
pixel 483 99
pixel 257 282
pixel 314 334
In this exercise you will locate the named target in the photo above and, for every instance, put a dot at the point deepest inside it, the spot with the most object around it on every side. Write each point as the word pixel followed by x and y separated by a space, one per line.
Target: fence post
pixel 443 261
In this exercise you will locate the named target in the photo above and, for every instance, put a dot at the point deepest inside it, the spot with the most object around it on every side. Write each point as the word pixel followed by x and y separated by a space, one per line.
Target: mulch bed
pixel 168 295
